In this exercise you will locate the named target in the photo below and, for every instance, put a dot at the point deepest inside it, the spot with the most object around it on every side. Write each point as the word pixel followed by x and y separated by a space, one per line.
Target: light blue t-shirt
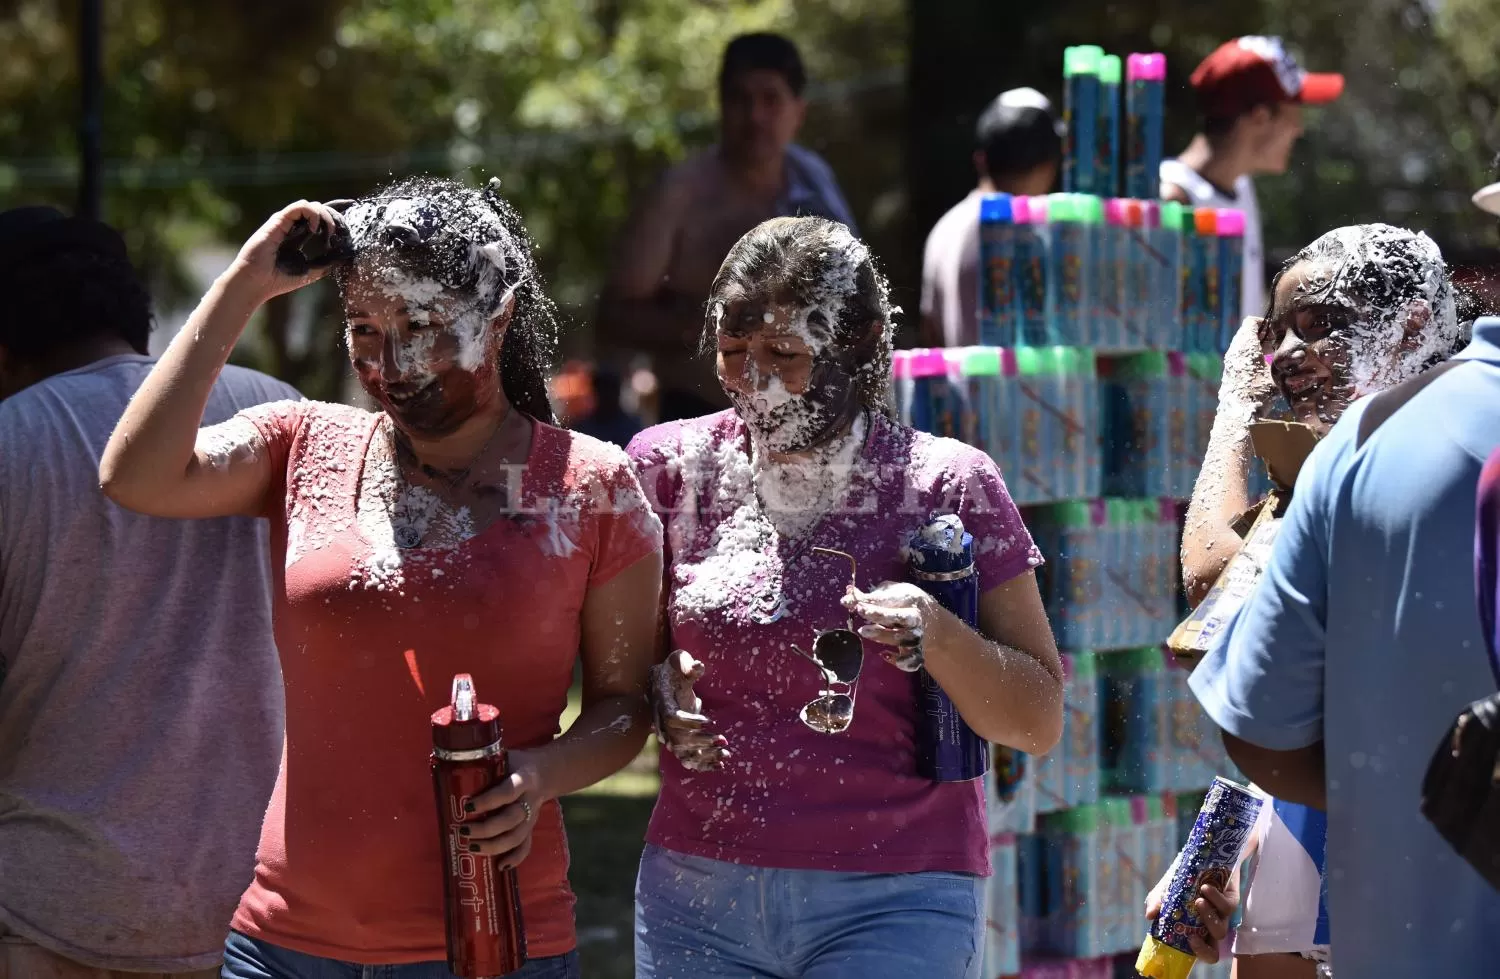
pixel 1363 633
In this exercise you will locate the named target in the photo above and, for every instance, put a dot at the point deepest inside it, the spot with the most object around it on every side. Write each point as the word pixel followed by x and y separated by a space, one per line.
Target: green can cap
pixel 1091 209
pixel 1119 511
pixel 981 361
pixel 1154 811
pixel 1131 661
pixel 1146 364
pixel 1082 60
pixel 1063 207
pixel 1110 69
pixel 1060 360
pixel 1085 664
pixel 1029 361
pixel 1080 819
pixel 1067 515
pixel 1171 215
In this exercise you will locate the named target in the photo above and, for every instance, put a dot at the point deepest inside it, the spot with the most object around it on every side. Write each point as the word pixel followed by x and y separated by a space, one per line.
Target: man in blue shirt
pixel 1358 648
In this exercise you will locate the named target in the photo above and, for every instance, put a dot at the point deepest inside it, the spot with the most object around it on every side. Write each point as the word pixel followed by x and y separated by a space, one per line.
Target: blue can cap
pixel 995 209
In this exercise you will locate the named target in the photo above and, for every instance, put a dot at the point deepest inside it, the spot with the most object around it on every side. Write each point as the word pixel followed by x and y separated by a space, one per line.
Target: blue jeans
pixel 250 958
pixel 704 919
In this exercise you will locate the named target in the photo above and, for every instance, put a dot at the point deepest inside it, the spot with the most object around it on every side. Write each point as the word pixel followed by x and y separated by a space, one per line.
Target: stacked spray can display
pixel 1104 314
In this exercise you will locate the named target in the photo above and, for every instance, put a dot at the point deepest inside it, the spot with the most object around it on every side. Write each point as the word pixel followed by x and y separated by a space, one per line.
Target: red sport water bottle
pixel 486 936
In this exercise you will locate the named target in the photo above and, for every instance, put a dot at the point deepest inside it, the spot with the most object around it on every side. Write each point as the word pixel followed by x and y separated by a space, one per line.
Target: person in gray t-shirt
pixel 140 696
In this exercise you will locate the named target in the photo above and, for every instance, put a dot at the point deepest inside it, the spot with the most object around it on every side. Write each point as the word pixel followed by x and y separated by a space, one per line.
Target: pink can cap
pixel 1176 363
pixel 928 362
pixel 1146 68
pixel 1008 365
pixel 1037 208
pixel 1020 210
pixel 1231 222
pixel 1153 213
pixel 1139 814
pixel 1114 211
pixel 900 364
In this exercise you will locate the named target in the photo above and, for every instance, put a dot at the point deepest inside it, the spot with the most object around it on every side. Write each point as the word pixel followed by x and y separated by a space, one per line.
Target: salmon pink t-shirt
pixel 370 638
pixel 740 595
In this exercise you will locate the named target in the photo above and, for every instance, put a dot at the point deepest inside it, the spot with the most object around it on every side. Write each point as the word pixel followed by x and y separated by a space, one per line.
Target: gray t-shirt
pixel 140 694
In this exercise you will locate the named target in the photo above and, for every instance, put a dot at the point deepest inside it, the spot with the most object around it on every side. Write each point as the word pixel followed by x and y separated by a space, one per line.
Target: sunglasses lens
pixel 841 653
pixel 831 714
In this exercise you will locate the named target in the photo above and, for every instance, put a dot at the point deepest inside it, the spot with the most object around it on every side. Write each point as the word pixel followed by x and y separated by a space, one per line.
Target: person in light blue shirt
pixel 1359 646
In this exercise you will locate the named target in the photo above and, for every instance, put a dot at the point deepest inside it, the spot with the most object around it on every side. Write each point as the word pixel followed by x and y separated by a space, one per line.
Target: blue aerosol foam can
pixel 940 561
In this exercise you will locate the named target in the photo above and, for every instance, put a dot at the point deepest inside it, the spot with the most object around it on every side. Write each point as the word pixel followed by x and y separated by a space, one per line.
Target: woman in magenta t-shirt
pixel 776 849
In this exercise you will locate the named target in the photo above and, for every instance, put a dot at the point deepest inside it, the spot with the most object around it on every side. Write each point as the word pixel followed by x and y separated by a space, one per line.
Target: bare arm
pixel 618 650
pixel 618 646
pixel 157 461
pixel 1222 491
pixel 1005 679
pixel 1296 776
pixel 639 308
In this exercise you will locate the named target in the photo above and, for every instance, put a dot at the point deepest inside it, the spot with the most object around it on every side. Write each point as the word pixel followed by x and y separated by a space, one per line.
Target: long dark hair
pixel 816 262
pixel 473 242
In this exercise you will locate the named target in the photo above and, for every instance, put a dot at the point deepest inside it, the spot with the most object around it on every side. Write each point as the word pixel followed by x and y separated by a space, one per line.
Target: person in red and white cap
pixel 1250 96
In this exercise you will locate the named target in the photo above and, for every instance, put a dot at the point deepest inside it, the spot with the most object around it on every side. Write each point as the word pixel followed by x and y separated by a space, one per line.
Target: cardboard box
pixel 1283 447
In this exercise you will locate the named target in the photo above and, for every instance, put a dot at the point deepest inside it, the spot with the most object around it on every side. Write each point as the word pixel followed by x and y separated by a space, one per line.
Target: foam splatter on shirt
pixel 742 592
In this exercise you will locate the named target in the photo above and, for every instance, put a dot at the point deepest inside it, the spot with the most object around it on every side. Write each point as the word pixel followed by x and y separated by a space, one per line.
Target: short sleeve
pixel 1487 554
pixel 1262 681
pixel 278 423
pixel 929 276
pixel 626 528
pixel 1003 548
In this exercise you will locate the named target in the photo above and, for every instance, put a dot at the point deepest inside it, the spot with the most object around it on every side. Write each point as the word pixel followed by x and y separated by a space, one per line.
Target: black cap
pixel 29 233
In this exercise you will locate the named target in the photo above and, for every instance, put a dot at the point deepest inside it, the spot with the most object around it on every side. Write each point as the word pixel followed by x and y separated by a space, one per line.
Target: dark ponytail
pixel 474 243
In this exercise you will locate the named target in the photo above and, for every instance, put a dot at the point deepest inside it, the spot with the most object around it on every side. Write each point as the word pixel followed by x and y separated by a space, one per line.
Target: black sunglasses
pixel 839 655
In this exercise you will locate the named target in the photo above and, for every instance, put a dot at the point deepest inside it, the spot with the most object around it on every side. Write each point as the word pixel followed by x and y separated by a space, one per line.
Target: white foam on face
pixel 492 256
pixel 1385 277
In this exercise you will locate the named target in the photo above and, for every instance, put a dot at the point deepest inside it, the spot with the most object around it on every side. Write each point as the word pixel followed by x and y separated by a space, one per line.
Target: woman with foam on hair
pixel 1358 311
pixel 454 530
pixel 794 836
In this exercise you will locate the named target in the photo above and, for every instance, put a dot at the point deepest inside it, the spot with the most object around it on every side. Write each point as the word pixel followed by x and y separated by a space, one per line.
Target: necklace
pixel 409 523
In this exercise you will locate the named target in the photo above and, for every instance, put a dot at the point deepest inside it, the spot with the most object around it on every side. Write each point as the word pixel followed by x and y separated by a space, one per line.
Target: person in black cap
pixel 140 701
pixel 1018 150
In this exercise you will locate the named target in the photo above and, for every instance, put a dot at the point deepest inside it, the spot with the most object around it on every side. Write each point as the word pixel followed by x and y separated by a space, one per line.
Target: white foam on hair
pixel 1385 276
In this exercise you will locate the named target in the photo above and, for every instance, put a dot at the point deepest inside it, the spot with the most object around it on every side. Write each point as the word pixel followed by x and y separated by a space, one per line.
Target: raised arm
pixel 638 307
pixel 1222 491
pixel 157 461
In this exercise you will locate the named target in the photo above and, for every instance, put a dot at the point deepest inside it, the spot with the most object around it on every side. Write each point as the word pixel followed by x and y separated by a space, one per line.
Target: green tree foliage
pixel 218 113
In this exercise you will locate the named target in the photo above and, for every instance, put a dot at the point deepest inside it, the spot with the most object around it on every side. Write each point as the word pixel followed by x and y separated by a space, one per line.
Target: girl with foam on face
pixel 793 835
pixel 454 530
pixel 1360 310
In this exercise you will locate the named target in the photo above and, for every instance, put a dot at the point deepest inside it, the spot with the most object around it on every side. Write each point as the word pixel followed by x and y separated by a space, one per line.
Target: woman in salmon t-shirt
pixel 794 836
pixel 454 530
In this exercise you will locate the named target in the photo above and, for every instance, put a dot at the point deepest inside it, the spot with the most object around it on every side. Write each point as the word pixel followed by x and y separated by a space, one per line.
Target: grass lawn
pixel 606 830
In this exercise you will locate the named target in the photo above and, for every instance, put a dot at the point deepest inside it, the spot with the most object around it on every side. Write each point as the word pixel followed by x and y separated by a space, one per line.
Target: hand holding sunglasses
pixel 677 712
pixel 896 614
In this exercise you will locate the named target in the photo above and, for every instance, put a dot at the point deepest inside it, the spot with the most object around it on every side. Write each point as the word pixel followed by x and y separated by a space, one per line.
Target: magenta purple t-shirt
pixel 740 597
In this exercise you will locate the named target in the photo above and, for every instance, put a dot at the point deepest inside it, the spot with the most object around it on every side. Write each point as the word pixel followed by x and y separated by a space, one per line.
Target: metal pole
pixel 90 83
